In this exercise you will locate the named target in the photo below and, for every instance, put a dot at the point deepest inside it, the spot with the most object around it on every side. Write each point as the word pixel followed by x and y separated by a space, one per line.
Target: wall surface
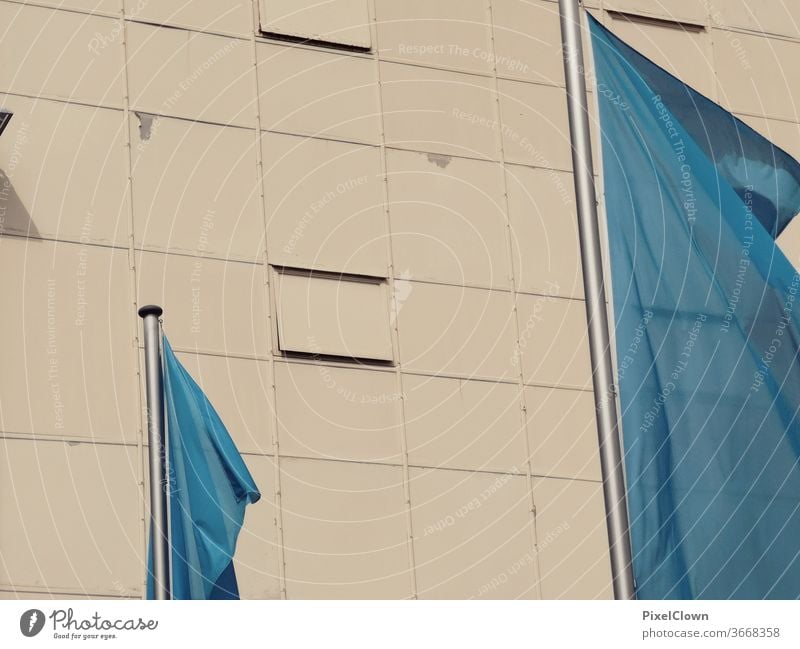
pixel 418 410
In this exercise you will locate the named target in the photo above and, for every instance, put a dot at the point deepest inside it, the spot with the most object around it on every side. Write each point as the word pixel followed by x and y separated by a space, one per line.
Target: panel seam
pixel 515 315
pixel 395 307
pixel 132 284
pixel 272 398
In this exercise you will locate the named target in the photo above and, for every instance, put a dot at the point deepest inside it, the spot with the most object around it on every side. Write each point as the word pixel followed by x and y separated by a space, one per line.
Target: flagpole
pixel 596 314
pixel 159 528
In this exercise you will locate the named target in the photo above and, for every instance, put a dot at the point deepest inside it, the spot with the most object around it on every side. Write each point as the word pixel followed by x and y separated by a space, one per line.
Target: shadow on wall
pixel 14 216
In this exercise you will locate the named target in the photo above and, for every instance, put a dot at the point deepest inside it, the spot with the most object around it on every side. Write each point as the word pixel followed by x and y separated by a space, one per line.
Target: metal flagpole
pixel 599 341
pixel 159 527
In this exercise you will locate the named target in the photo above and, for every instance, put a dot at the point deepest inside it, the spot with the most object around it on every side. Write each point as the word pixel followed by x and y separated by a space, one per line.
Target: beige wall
pixel 187 164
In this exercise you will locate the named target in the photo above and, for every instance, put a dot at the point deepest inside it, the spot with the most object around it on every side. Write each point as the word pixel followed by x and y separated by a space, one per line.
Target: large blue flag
pixel 707 335
pixel 209 489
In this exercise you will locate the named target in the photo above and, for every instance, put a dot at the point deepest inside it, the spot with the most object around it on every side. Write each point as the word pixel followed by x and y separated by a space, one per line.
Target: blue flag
pixel 209 489
pixel 707 335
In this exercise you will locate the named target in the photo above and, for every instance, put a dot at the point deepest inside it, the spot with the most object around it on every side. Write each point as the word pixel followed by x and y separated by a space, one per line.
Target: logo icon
pixel 31 622
pixel 402 289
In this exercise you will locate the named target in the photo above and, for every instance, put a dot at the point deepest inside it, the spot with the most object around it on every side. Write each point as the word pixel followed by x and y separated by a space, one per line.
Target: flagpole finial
pixel 150 309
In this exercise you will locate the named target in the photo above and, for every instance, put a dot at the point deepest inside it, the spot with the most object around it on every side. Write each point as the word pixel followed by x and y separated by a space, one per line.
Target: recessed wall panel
pixel 332 315
pixel 344 22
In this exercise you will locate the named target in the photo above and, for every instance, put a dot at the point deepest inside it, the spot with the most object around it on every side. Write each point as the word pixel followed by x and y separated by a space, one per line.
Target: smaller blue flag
pixel 209 489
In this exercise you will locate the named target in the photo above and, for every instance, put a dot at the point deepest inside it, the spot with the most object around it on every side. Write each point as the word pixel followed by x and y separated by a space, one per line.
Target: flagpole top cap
pixel 150 309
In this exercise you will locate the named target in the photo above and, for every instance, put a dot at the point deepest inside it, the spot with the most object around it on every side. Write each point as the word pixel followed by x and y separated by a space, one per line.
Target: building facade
pixel 358 216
